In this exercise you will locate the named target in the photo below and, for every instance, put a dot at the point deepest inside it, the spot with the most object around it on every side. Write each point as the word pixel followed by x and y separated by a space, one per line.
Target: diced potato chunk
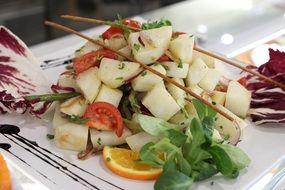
pixel 182 47
pixel 238 99
pixel 110 95
pixel 116 43
pixel 57 119
pixel 175 70
pixel 109 138
pixel 156 42
pixel 147 80
pixel 143 137
pixel 219 97
pixel 177 93
pixel 209 60
pixel 71 136
pixel 196 72
pixel 160 103
pixel 210 80
pixel 88 47
pixel 74 106
pixel 89 83
pixel 68 80
pixel 113 73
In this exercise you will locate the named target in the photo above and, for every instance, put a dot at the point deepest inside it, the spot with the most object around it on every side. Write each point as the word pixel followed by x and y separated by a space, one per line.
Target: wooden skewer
pixel 199 49
pixel 97 42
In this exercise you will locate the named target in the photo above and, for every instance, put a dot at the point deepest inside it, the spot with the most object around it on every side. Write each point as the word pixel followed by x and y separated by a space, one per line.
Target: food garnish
pixel 5 178
pixel 268 101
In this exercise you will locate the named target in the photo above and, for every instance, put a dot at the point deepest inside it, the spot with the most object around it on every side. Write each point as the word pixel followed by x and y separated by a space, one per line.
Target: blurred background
pixel 25 17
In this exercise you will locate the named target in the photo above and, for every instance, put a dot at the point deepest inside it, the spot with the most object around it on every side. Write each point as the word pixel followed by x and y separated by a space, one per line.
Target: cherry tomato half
pixel 113 30
pixel 132 23
pixel 242 81
pixel 91 59
pixel 110 32
pixel 164 57
pixel 104 116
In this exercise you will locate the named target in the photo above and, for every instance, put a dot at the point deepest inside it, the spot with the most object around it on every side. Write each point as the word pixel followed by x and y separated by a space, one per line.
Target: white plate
pixel 264 145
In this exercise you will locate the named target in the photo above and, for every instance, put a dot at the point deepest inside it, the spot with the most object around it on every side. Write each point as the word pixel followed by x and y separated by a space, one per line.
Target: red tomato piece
pixel 132 23
pixel 91 59
pixel 110 32
pixel 242 81
pixel 222 88
pixel 164 57
pixel 104 116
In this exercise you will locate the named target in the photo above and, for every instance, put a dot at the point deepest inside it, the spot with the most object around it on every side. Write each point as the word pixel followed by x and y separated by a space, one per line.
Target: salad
pixel 147 127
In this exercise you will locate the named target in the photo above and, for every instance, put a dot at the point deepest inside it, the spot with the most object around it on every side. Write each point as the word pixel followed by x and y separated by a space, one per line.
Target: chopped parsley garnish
pixel 108 159
pixel 50 136
pixel 80 49
pixel 214 103
pixel 118 23
pixel 99 57
pixel 137 47
pixel 191 36
pixel 180 64
pixel 99 141
pixel 119 78
pixel 144 73
pixel 121 65
pixel 156 24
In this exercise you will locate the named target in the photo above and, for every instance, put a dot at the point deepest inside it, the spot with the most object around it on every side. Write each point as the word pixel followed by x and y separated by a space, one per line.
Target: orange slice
pixel 122 162
pixel 5 178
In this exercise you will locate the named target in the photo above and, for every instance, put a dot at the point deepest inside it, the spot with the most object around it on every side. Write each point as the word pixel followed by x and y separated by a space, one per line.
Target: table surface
pixel 228 27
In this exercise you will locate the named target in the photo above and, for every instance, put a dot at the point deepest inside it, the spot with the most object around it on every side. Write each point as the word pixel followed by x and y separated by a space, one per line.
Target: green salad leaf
pixel 189 154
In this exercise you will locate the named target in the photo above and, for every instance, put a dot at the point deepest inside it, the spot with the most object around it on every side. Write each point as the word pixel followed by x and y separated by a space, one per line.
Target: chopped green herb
pixel 191 36
pixel 166 67
pixel 180 64
pixel 77 119
pixel 221 127
pixel 121 65
pixel 100 36
pixel 156 24
pixel 99 141
pixel 108 159
pixel 80 49
pixel 137 47
pixel 144 73
pixel 69 67
pixel 99 57
pixel 50 136
pixel 214 103
pixel 119 78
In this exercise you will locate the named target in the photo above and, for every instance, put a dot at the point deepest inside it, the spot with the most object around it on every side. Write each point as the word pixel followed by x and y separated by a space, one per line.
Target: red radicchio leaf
pixel 267 104
pixel 10 103
pixel 56 88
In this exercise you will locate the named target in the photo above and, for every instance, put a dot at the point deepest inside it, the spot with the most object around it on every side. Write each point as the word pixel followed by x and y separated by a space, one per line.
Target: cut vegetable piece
pixel 71 136
pixel 103 138
pixel 177 93
pixel 182 47
pixel 155 43
pixel 160 103
pixel 143 137
pixel 196 72
pixel 178 70
pixel 147 80
pixel 88 47
pixel 116 43
pixel 219 97
pixel 238 99
pixel 226 127
pixel 209 60
pixel 57 118
pixel 210 80
pixel 74 106
pixel 113 73
pixel 68 80
pixel 125 50
pixel 110 95
pixel 89 83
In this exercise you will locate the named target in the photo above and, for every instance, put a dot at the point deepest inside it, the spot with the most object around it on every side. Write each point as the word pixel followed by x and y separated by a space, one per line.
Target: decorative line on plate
pixel 56 62
pixel 7 146
pixel 11 133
